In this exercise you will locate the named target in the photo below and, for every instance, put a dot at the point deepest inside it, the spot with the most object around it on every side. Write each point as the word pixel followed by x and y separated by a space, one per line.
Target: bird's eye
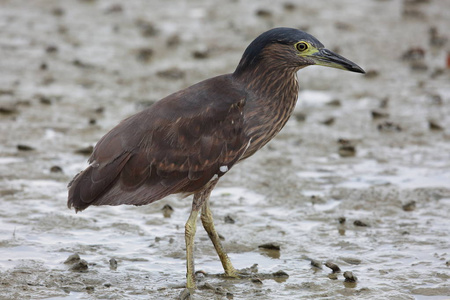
pixel 301 46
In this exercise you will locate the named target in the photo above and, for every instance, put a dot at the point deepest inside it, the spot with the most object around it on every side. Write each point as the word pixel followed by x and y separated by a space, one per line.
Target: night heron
pixel 185 142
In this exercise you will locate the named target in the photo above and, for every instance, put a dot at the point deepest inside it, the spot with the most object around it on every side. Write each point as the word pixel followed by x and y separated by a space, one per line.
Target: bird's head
pixel 290 48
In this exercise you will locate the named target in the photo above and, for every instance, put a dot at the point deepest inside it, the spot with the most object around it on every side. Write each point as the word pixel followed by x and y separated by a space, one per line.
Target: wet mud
pixel 350 201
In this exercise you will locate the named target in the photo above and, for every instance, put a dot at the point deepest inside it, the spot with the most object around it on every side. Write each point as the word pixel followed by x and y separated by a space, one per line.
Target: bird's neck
pixel 267 81
pixel 272 95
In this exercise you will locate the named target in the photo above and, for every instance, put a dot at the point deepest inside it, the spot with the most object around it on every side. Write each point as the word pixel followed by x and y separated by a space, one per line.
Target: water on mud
pixel 360 176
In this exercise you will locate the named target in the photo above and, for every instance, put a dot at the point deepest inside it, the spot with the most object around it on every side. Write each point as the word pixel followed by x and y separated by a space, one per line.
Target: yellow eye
pixel 301 46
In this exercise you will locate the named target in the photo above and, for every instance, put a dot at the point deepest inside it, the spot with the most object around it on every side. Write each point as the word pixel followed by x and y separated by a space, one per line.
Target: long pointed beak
pixel 327 58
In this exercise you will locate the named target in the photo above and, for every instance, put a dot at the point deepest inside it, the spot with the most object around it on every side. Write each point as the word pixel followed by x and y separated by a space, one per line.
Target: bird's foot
pixel 232 273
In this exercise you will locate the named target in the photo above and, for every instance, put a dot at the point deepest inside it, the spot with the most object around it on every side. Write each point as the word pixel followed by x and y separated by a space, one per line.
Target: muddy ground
pixel 360 150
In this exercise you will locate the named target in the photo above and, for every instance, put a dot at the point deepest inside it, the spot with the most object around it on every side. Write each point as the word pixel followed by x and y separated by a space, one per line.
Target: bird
pixel 184 143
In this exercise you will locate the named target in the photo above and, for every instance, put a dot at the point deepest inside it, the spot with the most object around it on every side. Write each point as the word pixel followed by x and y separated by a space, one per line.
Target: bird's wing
pixel 175 146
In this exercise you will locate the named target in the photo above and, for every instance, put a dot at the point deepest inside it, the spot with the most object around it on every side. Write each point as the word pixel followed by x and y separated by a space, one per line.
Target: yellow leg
pixel 208 224
pixel 189 234
pixel 201 200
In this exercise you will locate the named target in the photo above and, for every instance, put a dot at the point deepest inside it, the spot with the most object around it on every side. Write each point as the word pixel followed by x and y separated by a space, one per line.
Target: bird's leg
pixel 208 224
pixel 189 234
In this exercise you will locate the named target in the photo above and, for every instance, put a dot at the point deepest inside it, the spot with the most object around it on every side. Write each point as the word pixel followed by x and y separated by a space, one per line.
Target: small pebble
pixel 388 126
pixel 333 276
pixel 51 49
pixel 146 28
pixel 335 268
pixel 280 274
pixel 349 277
pixel 316 263
pixel 45 100
pixel 433 125
pixel 22 147
pixel 347 150
pixel 201 53
pixel 229 219
pixel 144 54
pixel 376 114
pixel 300 117
pixel 329 121
pixel 58 12
pixel 78 63
pixel 270 246
pixel 263 13
pixel 289 6
pixel 410 206
pixel 74 258
pixel 8 110
pixel 334 102
pixel 99 110
pixel 344 142
pixel 360 223
pixel 56 169
pixel 167 211
pixel 113 264
pixel 81 266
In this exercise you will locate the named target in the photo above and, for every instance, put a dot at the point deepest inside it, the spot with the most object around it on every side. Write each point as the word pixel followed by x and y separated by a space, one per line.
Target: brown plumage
pixel 186 141
pixel 174 146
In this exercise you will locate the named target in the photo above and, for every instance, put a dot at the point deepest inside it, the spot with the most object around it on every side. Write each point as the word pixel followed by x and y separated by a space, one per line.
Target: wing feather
pixel 175 146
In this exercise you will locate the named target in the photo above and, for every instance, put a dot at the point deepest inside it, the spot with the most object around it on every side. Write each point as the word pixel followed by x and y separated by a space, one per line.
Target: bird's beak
pixel 327 58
